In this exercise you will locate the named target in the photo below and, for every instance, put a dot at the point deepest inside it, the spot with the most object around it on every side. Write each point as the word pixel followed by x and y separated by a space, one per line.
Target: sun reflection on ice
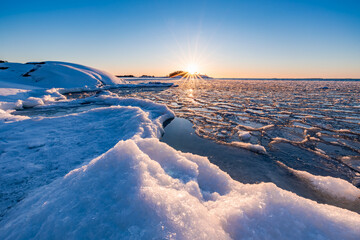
pixel 190 93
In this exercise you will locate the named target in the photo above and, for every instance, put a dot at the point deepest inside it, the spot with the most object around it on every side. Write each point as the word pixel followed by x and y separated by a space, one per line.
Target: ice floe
pixel 252 147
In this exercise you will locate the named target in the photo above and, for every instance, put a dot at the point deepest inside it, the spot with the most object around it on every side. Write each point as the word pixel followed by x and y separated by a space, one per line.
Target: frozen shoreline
pixel 95 168
pixel 249 167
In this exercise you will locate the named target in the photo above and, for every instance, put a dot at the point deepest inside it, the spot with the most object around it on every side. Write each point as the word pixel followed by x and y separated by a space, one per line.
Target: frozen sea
pixel 237 159
pixel 309 125
pixel 263 130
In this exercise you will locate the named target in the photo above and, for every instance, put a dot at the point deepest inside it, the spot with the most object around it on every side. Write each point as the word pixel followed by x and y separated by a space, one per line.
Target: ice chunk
pixel 32 102
pixel 244 135
pixel 252 147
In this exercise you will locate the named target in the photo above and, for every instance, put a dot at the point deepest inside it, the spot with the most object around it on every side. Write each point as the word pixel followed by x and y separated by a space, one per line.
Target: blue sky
pixel 265 38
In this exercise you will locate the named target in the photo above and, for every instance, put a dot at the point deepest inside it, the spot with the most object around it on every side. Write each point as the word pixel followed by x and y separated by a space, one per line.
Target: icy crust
pixel 142 188
pixel 53 74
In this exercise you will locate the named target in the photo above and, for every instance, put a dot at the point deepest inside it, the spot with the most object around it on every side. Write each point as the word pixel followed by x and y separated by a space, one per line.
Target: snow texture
pixel 35 151
pixel 142 188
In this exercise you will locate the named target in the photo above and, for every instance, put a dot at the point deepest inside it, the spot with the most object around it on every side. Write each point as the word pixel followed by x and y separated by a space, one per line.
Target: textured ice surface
pixel 319 119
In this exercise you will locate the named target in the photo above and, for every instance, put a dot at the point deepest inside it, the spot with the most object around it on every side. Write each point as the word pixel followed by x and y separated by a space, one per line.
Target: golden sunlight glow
pixel 192 69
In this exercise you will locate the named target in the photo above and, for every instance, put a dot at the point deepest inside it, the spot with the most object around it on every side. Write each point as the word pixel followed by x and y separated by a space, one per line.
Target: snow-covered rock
pixel 53 74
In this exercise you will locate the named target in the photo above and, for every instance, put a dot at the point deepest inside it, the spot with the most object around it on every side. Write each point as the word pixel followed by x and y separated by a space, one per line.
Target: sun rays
pixel 192 69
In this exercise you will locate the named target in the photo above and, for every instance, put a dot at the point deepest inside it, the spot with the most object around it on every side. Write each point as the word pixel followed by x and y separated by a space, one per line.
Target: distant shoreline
pixel 295 79
pixel 259 79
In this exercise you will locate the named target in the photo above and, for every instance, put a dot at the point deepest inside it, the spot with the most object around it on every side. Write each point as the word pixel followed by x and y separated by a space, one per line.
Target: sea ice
pixel 244 135
pixel 252 147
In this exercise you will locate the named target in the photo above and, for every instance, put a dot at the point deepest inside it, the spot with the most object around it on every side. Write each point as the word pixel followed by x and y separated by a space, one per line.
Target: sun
pixel 192 69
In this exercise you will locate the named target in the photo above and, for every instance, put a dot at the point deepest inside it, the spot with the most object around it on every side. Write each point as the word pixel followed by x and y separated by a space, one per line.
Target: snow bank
pixel 52 74
pixel 336 187
pixel 143 188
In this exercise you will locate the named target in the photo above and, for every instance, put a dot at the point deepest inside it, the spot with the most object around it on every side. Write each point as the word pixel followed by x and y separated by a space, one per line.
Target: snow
pixel 36 150
pixel 32 102
pixel 252 147
pixel 95 168
pixel 33 84
pixel 144 188
pixel 46 82
pixel 336 187
pixel 11 91
pixel 53 74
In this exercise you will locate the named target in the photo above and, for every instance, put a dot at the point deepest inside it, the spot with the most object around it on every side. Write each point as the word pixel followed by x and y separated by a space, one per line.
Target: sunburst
pixel 192 69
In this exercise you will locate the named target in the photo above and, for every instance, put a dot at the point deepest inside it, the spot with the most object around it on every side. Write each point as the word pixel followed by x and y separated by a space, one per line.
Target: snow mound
pixel 53 74
pixel 143 188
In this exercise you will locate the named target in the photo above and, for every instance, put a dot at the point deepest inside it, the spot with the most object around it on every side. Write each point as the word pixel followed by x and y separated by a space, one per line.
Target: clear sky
pixel 224 38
